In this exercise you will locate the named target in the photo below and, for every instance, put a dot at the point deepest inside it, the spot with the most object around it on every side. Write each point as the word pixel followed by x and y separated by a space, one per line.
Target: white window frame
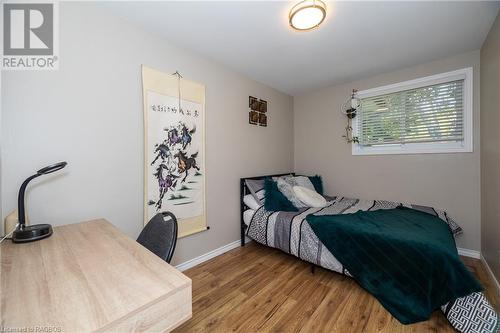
pixel 466 146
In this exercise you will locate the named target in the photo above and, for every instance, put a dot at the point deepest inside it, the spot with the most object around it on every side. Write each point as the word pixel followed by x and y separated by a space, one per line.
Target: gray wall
pixel 89 113
pixel 448 181
pixel 490 148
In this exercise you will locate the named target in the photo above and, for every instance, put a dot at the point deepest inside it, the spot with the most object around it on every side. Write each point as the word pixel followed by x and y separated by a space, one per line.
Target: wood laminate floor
pixel 259 289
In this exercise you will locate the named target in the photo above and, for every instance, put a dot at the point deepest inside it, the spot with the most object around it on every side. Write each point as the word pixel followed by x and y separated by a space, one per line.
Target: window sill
pixel 412 149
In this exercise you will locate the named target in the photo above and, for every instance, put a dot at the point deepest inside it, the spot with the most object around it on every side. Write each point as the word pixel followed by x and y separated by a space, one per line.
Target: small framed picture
pixel 254 104
pixel 263 119
pixel 263 106
pixel 253 117
pixel 251 101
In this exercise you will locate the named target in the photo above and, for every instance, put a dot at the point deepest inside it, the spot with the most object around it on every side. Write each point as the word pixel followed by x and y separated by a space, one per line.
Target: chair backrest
pixel 160 235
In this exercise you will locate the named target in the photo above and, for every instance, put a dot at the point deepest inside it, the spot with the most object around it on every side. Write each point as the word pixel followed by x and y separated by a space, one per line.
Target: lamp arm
pixel 20 201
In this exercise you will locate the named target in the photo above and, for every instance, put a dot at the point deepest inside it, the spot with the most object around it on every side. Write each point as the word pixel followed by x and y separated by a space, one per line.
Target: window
pixel 427 115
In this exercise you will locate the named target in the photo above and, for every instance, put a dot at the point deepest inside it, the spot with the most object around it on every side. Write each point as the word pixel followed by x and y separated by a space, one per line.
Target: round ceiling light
pixel 307 15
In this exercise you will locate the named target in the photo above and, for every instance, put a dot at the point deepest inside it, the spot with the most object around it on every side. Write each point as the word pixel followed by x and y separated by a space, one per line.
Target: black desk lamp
pixel 23 233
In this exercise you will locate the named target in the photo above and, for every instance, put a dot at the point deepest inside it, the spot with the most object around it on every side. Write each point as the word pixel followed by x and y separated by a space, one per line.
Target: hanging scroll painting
pixel 174 178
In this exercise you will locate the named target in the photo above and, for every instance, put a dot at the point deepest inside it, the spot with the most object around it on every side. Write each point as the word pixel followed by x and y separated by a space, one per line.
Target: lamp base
pixel 32 233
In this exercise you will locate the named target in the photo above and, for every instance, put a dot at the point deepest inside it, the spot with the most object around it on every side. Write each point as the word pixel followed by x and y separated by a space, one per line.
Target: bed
pixel 291 233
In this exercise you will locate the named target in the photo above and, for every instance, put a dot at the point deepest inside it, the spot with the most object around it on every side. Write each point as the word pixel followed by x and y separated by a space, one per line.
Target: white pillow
pixel 260 194
pixel 247 216
pixel 304 181
pixel 309 197
pixel 250 201
pixel 286 184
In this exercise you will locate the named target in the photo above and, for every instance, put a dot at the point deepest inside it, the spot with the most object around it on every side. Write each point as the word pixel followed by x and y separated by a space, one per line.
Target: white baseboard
pixel 490 272
pixel 223 249
pixel 469 253
pixel 207 256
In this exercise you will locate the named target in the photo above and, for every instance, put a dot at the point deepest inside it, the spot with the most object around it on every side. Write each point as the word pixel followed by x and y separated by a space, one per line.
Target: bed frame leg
pixel 242 209
pixel 313 269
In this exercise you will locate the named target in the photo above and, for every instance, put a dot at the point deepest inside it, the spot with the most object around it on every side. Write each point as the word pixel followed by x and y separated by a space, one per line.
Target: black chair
pixel 160 235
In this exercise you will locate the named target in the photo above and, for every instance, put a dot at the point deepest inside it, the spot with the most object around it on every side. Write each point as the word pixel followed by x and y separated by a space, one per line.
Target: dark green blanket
pixel 407 259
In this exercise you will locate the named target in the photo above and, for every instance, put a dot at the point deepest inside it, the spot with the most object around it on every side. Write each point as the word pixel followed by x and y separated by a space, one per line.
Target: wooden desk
pixel 90 277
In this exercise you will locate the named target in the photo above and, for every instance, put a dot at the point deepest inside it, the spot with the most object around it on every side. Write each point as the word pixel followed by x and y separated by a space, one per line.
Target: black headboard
pixel 244 191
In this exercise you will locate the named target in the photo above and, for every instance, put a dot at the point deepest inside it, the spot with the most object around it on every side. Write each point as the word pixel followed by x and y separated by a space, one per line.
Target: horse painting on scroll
pixel 175 157
pixel 165 172
pixel 174 149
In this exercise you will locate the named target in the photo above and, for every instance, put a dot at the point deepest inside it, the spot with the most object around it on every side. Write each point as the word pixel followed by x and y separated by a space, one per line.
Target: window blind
pixel 427 114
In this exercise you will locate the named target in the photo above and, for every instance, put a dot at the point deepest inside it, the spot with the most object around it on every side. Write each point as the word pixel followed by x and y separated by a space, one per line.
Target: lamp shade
pixel 307 15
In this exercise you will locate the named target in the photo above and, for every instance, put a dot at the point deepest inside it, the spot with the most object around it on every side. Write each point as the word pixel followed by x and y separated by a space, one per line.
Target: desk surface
pixel 90 277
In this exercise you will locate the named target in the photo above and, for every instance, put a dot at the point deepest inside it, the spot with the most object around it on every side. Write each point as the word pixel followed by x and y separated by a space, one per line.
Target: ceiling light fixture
pixel 307 15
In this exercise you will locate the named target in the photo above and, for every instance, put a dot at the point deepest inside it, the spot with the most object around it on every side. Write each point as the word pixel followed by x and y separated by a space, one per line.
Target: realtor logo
pixel 30 36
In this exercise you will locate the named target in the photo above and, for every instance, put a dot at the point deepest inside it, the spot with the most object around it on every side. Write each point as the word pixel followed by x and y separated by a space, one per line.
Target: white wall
pixel 448 181
pixel 89 113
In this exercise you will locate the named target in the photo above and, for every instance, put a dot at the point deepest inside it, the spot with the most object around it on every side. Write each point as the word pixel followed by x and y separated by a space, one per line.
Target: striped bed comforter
pixel 290 232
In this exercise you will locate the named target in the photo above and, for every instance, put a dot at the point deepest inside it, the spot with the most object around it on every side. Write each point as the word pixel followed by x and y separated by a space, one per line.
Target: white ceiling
pixel 357 39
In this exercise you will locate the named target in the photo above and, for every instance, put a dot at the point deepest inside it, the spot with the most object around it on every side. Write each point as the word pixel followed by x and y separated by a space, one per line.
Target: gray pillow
pixel 256 188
